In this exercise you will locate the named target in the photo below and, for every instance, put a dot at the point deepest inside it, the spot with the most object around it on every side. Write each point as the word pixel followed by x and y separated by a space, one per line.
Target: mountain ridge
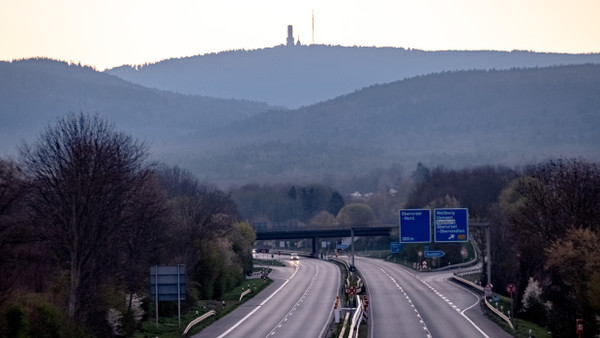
pixel 456 119
pixel 34 92
pixel 500 117
pixel 296 76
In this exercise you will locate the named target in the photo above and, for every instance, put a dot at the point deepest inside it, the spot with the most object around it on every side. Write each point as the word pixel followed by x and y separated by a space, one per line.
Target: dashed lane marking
pixel 297 305
pixel 428 334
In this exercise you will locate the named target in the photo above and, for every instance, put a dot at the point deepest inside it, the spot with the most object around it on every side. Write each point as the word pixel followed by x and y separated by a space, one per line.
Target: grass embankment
pixel 522 327
pixel 503 304
pixel 168 327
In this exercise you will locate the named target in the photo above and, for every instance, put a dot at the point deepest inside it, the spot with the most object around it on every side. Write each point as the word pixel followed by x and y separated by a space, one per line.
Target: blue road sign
pixel 434 254
pixel 168 282
pixel 415 226
pixel 451 225
pixel 341 246
pixel 396 247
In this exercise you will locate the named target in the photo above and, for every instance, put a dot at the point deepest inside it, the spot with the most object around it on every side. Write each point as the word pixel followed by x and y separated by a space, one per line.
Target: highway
pixel 303 292
pixel 406 303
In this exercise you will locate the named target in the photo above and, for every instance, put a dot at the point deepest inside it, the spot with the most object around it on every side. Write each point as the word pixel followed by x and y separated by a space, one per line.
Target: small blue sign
pixel 434 254
pixel 396 247
pixel 415 226
pixel 341 246
pixel 451 225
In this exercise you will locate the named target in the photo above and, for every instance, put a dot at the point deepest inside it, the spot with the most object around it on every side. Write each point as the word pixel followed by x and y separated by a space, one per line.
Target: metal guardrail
pixel 480 288
pixel 244 293
pixel 468 272
pixel 359 282
pixel 358 312
pixel 500 314
pixel 468 282
pixel 198 320
pixel 343 331
pixel 356 318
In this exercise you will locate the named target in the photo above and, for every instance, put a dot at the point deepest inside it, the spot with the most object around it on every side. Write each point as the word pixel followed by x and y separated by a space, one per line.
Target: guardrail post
pixel 336 309
pixel 352 235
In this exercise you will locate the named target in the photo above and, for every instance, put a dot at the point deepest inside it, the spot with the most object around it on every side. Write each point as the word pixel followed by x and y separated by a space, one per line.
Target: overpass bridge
pixel 316 234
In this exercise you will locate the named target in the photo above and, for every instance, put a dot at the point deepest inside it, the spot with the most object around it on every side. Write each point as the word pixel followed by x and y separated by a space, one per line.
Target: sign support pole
pixel 179 295
pixel 164 288
pixel 352 234
pixel 156 294
pixel 489 254
pixel 488 248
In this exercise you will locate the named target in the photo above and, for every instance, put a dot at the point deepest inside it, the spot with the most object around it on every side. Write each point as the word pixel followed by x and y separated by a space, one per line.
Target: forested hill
pixel 302 75
pixel 34 92
pixel 456 119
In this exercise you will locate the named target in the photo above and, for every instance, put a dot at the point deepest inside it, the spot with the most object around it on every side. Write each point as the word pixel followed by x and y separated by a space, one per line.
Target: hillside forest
pixel 506 117
pixel 84 213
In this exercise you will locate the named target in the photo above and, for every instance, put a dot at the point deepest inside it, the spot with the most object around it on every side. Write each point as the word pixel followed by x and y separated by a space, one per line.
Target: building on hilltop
pixel 290 37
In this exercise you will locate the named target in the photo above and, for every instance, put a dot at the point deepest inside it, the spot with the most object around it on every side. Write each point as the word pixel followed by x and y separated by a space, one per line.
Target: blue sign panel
pixel 168 282
pixel 415 226
pixel 451 225
pixel 396 247
pixel 434 254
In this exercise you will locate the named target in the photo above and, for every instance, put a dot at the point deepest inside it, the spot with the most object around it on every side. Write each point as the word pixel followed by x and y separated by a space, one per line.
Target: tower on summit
pixel 290 37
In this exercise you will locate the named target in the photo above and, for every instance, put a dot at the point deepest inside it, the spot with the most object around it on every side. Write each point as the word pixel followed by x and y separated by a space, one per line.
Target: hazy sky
pixel 109 33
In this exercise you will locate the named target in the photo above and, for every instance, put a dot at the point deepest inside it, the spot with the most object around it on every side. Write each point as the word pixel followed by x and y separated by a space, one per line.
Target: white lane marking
pixel 326 326
pixel 469 319
pixel 439 294
pixel 409 301
pixel 462 313
pixel 258 307
pixel 291 313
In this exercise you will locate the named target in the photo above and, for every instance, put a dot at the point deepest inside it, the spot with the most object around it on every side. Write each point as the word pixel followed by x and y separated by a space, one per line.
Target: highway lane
pixel 405 303
pixel 302 293
pixel 442 284
pixel 391 312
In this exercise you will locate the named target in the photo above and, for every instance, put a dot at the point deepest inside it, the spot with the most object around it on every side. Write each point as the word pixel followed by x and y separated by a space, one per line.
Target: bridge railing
pixel 288 226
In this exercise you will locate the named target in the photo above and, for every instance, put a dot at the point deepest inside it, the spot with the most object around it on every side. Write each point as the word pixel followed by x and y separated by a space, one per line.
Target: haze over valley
pixel 455 118
pixel 416 142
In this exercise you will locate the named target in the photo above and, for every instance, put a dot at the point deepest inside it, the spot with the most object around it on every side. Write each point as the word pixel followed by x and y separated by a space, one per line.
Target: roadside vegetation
pixel 84 214
pixel 168 323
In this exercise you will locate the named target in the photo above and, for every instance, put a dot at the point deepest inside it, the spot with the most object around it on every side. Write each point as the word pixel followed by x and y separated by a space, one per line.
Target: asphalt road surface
pixel 406 303
pixel 299 303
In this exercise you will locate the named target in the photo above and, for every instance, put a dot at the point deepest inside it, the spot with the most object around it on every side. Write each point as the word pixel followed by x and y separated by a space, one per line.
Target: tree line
pixel 545 233
pixel 83 216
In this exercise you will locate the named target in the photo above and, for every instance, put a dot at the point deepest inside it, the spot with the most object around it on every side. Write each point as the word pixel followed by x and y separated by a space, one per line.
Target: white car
pixel 293 256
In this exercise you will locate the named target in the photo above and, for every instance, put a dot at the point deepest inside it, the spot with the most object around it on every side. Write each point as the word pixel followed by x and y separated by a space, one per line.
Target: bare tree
pixel 84 176
pixel 12 195
pixel 143 234
pixel 553 208
pixel 204 235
